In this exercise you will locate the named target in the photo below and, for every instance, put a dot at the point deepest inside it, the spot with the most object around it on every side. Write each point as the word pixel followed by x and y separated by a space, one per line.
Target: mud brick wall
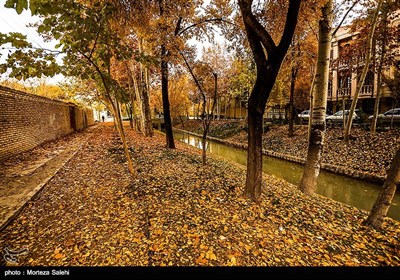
pixel 28 120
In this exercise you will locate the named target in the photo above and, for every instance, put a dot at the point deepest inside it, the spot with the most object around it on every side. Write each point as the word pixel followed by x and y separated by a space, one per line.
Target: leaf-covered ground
pixel 364 152
pixel 178 213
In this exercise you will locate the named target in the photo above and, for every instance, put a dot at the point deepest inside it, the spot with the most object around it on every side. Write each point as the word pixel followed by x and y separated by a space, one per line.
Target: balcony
pixel 343 92
pixel 367 91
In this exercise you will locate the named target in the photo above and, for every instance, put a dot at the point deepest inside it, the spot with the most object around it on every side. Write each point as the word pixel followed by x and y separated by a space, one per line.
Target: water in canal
pixel 353 192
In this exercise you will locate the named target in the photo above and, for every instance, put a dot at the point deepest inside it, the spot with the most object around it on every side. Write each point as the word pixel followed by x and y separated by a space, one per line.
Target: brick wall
pixel 28 120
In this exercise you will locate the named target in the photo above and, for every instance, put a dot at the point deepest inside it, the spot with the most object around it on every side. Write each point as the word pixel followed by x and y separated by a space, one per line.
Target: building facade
pixel 343 80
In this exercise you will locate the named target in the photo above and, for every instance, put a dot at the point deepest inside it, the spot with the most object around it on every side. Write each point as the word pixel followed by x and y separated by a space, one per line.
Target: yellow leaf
pixel 381 259
pixel 290 241
pixel 136 240
pixel 201 259
pixel 128 253
pixel 211 256
pixel 362 246
pixel 58 256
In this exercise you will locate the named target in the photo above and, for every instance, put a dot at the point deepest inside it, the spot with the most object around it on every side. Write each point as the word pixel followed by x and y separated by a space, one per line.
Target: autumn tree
pixel 179 88
pixel 139 74
pixel 319 90
pixel 168 25
pixel 240 76
pixel 121 73
pixel 218 59
pixel 41 86
pixel 300 59
pixel 201 73
pixel 295 77
pixel 295 53
pixel 87 39
pixel 268 57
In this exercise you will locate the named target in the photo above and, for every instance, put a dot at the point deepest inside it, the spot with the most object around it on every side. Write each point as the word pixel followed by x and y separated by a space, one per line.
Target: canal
pixel 358 193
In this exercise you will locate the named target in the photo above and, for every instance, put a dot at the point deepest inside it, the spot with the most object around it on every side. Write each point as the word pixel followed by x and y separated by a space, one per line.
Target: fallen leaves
pixel 58 256
pixel 368 152
pixel 178 213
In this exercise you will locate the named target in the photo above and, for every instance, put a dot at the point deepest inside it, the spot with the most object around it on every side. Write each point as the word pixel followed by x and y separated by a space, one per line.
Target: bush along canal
pixel 354 192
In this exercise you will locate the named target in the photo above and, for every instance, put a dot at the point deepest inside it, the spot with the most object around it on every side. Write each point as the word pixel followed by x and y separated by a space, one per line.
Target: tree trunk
pixel 254 157
pixel 364 72
pixel 291 101
pixel 234 108
pixel 240 108
pixel 147 126
pixel 129 112
pixel 204 144
pixel 131 117
pixel 225 106
pixel 206 116
pixel 169 136
pixel 139 121
pixel 218 109
pixel 311 108
pixel 379 73
pixel 134 121
pixel 120 128
pixel 146 123
pixel 344 109
pixel 308 182
pixel 377 101
pixel 382 203
pixel 268 58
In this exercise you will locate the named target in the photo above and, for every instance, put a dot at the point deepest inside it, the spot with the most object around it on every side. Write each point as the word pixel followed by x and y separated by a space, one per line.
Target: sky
pixel 10 21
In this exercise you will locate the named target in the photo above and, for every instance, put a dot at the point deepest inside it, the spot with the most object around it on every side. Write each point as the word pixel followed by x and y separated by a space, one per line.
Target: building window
pixel 369 79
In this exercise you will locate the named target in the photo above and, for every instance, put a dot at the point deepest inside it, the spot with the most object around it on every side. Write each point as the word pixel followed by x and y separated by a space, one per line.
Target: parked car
pixel 337 118
pixel 305 115
pixel 388 116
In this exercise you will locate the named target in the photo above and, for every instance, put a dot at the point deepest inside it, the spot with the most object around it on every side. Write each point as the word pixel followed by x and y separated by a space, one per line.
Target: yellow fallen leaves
pixel 58 256
pixel 193 238
pixel 178 213
pixel 232 261
pixel 201 260
pixel 204 257
pixel 210 255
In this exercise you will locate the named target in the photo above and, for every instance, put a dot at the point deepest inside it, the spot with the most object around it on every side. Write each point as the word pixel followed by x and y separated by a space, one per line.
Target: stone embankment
pixel 366 157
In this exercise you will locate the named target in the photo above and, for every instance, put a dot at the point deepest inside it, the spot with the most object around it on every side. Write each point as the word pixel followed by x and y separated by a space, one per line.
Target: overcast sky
pixel 10 21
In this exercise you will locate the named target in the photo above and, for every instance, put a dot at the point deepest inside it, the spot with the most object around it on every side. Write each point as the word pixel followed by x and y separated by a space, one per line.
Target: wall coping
pixel 26 95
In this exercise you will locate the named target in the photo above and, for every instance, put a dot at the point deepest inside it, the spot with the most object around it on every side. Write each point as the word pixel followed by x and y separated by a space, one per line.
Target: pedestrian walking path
pixel 23 176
